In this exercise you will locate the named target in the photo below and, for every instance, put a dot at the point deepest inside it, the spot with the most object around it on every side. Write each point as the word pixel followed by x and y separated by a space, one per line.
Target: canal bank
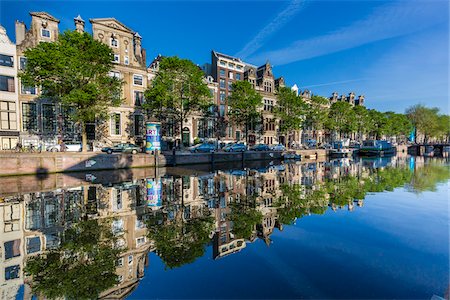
pixel 46 163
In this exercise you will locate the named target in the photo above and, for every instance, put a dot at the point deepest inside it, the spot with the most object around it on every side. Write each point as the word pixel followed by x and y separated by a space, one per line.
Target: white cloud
pixel 276 24
pixel 388 21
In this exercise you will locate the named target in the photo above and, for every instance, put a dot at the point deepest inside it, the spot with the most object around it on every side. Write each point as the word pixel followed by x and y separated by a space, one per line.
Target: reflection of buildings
pixel 32 223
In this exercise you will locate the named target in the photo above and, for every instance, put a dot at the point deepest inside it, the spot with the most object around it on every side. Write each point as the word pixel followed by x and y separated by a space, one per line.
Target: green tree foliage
pixel 361 120
pixel 317 112
pixel 244 219
pixel 290 110
pixel 426 121
pixel 177 90
pixel 82 266
pixel 74 71
pixel 180 242
pixel 341 118
pixel 427 177
pixel 245 104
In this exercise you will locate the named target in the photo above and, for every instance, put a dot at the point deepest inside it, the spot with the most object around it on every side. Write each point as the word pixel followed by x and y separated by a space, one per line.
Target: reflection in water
pixel 93 240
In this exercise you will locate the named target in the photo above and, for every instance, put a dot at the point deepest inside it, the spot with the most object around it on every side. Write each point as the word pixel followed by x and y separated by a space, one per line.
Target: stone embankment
pixel 46 163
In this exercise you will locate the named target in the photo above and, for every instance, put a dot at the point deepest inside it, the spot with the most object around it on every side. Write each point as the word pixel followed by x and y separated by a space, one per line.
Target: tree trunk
pixel 83 138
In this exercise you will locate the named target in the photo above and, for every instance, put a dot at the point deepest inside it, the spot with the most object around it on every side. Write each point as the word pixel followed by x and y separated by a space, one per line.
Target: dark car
pixel 260 147
pixel 125 148
pixel 238 147
pixel 203 148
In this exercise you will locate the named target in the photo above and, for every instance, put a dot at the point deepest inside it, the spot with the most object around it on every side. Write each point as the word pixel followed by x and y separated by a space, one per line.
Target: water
pixel 363 229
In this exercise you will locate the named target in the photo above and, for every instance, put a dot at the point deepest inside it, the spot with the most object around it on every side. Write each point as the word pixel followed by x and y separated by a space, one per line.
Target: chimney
pixel 144 57
pixel 79 24
pixel 137 45
pixel 20 32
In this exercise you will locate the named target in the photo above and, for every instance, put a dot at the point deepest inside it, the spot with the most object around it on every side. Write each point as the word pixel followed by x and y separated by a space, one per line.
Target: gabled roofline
pixel 98 20
pixel 44 15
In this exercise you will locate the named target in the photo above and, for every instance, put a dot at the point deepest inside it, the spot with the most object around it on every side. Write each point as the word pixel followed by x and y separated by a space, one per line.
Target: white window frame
pixel 126 60
pixel 130 259
pixel 113 73
pixel 111 44
pixel 142 76
pixel 119 262
pixel 118 58
pixel 49 33
pixel 112 124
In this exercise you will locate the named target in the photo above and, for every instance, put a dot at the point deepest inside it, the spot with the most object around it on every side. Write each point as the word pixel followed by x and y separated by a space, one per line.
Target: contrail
pixel 334 82
pixel 276 24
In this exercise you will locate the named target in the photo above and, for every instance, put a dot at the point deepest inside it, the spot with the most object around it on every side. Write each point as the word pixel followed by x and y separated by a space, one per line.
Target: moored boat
pixel 339 150
pixel 377 148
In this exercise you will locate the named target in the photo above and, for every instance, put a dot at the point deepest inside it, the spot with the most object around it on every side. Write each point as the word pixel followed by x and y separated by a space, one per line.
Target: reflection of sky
pixel 395 246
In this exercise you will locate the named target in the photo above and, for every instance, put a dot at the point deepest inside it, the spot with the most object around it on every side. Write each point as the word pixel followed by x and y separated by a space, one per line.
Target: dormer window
pixel 45 33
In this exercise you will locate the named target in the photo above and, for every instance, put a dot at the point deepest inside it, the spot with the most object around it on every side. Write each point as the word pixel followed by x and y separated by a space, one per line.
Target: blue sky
pixel 396 53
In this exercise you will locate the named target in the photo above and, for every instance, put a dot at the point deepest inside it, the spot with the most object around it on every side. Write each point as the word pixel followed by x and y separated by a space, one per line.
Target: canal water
pixel 350 228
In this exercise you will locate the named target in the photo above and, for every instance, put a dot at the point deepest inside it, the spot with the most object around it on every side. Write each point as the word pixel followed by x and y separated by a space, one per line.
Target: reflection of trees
pixel 180 242
pixel 81 267
pixel 244 218
pixel 427 177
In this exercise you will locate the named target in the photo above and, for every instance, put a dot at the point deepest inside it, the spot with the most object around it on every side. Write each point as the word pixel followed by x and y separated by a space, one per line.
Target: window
pixel 7 83
pixel 68 125
pixel 137 80
pixel 116 58
pixel 119 262
pixel 130 259
pixel 238 76
pixel 6 60
pixel 138 124
pixel 114 43
pixel 268 105
pixel 22 63
pixel 126 60
pixel 27 90
pixel 48 118
pixel 8 115
pixel 12 272
pixel 230 75
pixel 115 124
pixel 117 226
pixel 29 117
pixel 222 63
pixel 230 85
pixel 138 98
pixel 239 67
pixel 120 278
pixel 114 74
pixel 222 110
pixel 230 65
pixel 222 83
pixel 33 245
pixel 140 241
pixel 12 249
pixel 118 203
pixel 222 97
pixel 222 73
pixel 45 33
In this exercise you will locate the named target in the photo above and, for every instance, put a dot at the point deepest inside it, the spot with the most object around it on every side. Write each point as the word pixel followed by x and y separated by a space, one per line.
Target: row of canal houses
pixel 32 219
pixel 28 119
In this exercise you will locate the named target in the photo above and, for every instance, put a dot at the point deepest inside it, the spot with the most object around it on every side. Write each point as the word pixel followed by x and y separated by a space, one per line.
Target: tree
pixel 244 218
pixel 245 103
pixel 290 109
pixel 378 123
pixel 361 120
pixel 317 112
pixel 82 266
pixel 341 118
pixel 74 71
pixel 424 119
pixel 177 90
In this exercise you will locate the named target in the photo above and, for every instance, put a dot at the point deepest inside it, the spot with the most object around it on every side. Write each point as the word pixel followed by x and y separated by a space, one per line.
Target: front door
pixel 185 137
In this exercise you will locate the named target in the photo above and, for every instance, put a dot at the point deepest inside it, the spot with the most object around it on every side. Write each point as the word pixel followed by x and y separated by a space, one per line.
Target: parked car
pixel 238 147
pixel 204 148
pixel 279 147
pixel 125 147
pixel 69 147
pixel 260 147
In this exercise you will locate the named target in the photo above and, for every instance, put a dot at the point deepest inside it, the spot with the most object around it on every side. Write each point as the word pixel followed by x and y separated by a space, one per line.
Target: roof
pixel 44 15
pixel 78 18
pixel 104 21
pixel 217 54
